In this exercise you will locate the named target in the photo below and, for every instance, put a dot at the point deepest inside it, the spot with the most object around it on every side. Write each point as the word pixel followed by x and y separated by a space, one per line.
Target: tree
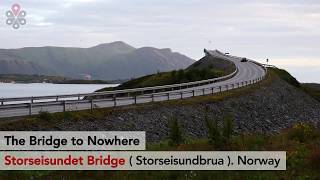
pixel 213 131
pixel 175 132
pixel 227 128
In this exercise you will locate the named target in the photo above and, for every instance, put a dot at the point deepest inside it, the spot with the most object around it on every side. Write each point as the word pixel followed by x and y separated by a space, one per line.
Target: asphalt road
pixel 247 71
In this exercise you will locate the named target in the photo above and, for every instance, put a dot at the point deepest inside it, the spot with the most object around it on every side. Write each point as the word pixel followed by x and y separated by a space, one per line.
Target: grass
pixel 286 76
pixel 167 78
pixel 312 89
pixel 206 68
pixel 303 158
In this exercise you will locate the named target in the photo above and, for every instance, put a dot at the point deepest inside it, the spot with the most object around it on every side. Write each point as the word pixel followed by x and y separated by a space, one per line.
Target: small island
pixel 35 78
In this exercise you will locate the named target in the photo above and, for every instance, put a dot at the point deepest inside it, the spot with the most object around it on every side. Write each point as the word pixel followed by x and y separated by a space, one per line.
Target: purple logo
pixel 16 16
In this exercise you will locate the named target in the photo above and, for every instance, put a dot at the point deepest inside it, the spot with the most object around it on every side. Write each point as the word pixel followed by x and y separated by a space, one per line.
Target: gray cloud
pixel 279 30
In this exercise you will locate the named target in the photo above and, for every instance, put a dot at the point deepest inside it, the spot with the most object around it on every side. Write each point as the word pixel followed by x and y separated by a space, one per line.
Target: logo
pixel 16 16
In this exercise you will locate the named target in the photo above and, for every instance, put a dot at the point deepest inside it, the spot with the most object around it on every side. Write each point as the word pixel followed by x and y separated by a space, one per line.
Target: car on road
pixel 244 60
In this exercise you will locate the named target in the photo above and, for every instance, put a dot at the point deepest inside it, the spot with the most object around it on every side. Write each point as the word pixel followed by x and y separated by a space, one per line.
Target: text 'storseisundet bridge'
pixel 245 74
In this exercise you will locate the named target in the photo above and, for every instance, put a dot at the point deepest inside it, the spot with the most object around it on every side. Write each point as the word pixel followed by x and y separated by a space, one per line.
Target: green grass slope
pixel 312 89
pixel 286 76
pixel 205 68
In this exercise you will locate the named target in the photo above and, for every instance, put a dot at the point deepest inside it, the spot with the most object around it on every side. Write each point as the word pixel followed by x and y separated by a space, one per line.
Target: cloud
pixel 259 29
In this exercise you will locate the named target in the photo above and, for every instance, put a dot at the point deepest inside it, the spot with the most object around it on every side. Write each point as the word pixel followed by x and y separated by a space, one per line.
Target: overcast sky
pixel 285 31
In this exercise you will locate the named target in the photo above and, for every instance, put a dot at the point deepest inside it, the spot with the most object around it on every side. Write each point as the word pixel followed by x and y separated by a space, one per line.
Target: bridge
pixel 246 73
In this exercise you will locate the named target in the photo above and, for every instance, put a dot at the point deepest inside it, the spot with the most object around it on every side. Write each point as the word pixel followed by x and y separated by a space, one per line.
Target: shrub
pixel 302 132
pixel 180 74
pixel 227 127
pixel 283 74
pixel 173 73
pixel 67 115
pixel 175 132
pixel 296 158
pixel 44 115
pixel 314 157
pixel 213 131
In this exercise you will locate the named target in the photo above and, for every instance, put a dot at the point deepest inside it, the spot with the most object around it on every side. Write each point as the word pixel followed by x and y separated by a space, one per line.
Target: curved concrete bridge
pixel 247 73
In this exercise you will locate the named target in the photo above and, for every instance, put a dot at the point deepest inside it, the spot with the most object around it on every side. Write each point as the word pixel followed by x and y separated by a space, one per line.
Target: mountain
pixel 109 61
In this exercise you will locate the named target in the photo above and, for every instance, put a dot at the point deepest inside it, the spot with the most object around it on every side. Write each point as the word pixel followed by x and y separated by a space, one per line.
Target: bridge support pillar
pixel 192 93
pixel 64 106
pixel 220 88
pixel 212 90
pixel 30 109
pixel 91 104
pixel 152 97
pixel 114 101
pixel 135 99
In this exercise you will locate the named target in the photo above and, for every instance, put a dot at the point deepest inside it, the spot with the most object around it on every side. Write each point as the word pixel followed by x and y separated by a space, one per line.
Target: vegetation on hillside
pixel 312 89
pixel 167 78
pixel 301 142
pixel 206 68
pixel 283 74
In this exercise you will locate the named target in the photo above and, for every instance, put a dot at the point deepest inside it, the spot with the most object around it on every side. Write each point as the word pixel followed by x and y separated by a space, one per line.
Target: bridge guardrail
pixel 152 97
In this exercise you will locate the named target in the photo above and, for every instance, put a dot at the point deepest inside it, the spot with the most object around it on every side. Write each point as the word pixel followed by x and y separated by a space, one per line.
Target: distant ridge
pixel 108 61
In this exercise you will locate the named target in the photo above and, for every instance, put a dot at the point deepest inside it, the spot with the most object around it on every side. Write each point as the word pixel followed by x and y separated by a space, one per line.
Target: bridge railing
pixel 113 102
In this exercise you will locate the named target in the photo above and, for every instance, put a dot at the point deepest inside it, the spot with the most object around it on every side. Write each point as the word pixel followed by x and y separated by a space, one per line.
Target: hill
pixel 312 89
pixel 206 68
pixel 219 64
pixel 110 61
